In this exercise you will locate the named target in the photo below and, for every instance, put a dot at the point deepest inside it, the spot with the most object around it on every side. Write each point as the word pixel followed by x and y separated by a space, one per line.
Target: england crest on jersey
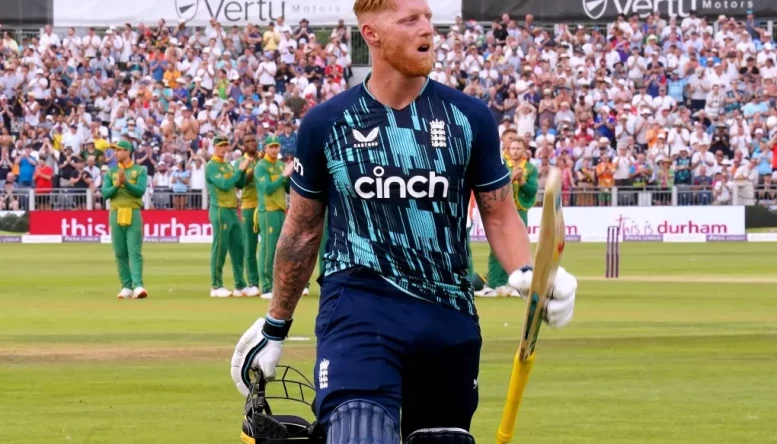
pixel 438 133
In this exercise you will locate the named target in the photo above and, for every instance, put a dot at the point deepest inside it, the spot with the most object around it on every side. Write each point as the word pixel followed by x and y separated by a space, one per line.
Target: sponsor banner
pixel 227 12
pixel 161 239
pixel 643 238
pixel 695 238
pixel 32 239
pixel 80 239
pixel 195 239
pixel 592 222
pixel 156 223
pixel 687 238
pixel 726 238
pixel 534 237
pixel 762 237
pixel 605 11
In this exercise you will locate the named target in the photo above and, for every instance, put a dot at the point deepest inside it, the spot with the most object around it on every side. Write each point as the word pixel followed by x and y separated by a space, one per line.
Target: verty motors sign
pixel 607 10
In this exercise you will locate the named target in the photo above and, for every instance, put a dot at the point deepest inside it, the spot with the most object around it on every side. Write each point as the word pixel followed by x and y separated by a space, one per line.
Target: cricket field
pixel 681 349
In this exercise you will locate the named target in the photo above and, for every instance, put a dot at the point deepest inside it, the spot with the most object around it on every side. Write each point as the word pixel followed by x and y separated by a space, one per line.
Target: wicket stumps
pixel 613 255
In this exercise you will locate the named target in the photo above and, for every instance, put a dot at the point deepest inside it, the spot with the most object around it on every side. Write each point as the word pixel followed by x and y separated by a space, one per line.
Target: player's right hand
pixel 259 349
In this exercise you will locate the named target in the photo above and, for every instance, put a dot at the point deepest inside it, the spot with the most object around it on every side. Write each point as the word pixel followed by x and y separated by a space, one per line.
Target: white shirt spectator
pixel 197 180
pixel 742 143
pixel 699 88
pixel 706 159
pixel 72 43
pixel 287 48
pixel 46 40
pixel 667 102
pixel 162 180
pixel 265 74
pixel 271 107
pixel 622 165
pixel 72 140
pixel 678 138
pixel 90 45
pixel 103 106
pixel 702 138
pixel 636 66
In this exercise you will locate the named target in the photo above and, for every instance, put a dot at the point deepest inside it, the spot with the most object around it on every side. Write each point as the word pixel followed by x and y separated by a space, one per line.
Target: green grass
pixel 645 360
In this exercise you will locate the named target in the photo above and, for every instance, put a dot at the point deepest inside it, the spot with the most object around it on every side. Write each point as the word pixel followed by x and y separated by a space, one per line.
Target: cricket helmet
pixel 261 426
pixel 478 281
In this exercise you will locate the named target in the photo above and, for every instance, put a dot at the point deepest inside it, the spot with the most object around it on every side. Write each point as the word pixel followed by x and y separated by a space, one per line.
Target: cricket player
pixel 248 205
pixel 524 178
pixel 124 185
pixel 393 162
pixel 272 184
pixel 223 180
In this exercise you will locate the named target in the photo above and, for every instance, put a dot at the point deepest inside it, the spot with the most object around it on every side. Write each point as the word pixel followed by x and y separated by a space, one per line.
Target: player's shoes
pixel 486 292
pixel 125 293
pixel 267 295
pixel 238 293
pixel 252 291
pixel 306 291
pixel 506 291
pixel 220 293
pixel 139 293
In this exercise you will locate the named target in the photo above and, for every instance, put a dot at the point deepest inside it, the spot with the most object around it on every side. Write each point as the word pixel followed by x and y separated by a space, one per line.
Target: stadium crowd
pixel 637 104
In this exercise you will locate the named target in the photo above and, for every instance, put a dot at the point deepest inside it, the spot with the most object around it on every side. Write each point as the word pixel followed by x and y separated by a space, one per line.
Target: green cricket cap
pixel 272 140
pixel 124 145
pixel 220 140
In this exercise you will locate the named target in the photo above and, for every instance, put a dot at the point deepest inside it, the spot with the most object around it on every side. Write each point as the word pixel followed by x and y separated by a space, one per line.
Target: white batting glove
pixel 259 349
pixel 561 302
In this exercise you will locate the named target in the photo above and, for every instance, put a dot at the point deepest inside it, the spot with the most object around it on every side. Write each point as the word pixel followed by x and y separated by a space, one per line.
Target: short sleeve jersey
pixel 397 183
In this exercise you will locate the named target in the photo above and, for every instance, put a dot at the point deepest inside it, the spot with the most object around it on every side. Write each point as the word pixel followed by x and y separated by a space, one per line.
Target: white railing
pixel 64 199
pixel 166 199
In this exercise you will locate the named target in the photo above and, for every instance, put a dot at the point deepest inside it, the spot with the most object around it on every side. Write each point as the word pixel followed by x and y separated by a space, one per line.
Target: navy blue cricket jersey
pixel 397 185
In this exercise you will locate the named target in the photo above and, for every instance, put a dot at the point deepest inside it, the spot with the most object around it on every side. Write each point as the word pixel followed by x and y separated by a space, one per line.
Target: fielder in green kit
pixel 223 180
pixel 124 185
pixel 525 185
pixel 248 211
pixel 272 184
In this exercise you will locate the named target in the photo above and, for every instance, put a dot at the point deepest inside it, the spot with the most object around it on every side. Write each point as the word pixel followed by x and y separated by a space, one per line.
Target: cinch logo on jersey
pixel 418 187
pixel 368 141
pixel 596 9
pixel 298 167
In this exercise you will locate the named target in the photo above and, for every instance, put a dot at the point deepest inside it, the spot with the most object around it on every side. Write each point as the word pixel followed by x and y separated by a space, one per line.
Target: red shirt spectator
pixel 42 177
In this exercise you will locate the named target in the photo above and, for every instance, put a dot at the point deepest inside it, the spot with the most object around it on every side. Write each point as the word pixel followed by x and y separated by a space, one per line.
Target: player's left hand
pixel 561 299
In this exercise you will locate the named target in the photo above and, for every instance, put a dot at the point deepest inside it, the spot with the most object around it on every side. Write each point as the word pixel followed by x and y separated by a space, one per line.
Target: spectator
pixel 43 178
pixel 8 200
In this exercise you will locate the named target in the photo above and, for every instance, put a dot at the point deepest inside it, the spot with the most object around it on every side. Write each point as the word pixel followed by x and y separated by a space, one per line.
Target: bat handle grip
pixel 518 380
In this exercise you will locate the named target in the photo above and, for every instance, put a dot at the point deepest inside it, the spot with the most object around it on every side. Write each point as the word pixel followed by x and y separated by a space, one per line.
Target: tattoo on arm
pixel 487 200
pixel 296 254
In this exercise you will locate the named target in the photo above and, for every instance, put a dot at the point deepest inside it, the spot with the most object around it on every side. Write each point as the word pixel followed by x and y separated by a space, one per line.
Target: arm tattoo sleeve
pixel 296 254
pixel 489 200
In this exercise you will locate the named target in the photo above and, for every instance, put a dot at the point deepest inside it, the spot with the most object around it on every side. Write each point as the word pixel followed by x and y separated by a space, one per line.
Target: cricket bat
pixel 547 257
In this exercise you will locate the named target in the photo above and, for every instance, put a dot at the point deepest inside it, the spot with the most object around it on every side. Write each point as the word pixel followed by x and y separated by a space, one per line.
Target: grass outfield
pixel 682 349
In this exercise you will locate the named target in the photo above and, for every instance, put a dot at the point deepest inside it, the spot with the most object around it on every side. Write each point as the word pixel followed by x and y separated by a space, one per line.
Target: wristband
pixel 276 330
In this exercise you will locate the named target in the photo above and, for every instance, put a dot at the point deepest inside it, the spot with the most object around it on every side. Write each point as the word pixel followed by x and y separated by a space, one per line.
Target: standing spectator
pixel 43 184
pixel 26 163
pixel 180 184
